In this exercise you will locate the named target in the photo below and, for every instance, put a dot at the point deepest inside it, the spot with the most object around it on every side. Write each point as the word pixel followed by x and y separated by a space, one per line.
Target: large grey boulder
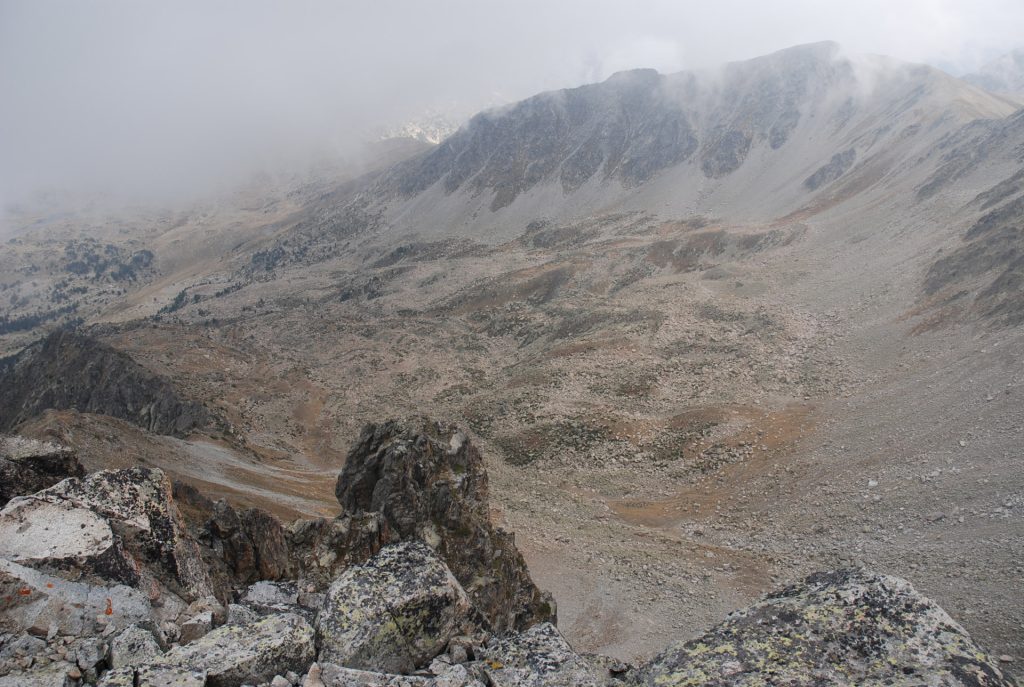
pixel 427 481
pixel 116 526
pixel 848 627
pixel 539 657
pixel 28 465
pixel 393 613
pixel 233 655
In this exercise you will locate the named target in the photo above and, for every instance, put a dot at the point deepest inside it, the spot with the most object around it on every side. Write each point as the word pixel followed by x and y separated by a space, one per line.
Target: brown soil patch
pixel 772 433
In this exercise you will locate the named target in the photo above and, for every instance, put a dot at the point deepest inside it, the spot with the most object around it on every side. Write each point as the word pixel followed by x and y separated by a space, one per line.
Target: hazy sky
pixel 176 94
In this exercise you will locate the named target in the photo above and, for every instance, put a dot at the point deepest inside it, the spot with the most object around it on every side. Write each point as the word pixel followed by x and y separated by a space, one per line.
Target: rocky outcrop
pixel 67 370
pixel 427 481
pixel 28 465
pixel 321 548
pixel 102 584
pixel 849 627
pixel 395 613
pixel 238 546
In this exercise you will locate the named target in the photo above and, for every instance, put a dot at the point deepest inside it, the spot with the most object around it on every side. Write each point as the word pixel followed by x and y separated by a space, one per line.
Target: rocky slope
pixel 688 389
pixel 69 370
pixel 103 585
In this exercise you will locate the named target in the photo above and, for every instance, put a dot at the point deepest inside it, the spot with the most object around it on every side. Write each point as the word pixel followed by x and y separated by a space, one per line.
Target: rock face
pixel 67 370
pixel 27 465
pixel 848 627
pixel 238 546
pixel 393 613
pixel 428 482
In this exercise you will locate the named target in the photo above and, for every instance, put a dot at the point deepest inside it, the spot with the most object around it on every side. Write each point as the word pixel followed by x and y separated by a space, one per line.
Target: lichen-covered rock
pixel 322 548
pixel 28 465
pixel 153 676
pixel 53 675
pixel 111 526
pixel 393 613
pixel 134 646
pixel 428 482
pixel 539 657
pixel 333 675
pixel 234 655
pixel 848 627
pixel 39 603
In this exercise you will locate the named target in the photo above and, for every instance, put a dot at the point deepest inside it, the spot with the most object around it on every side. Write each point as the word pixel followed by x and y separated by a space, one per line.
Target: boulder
pixel 427 481
pixel 233 655
pixel 332 675
pixel 848 627
pixel 52 675
pixel 134 646
pixel 111 526
pixel 153 676
pixel 393 613
pixel 42 604
pixel 538 657
pixel 27 465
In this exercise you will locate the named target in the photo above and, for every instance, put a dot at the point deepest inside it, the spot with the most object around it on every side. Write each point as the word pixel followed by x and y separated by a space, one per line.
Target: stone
pixel 393 613
pixel 265 593
pixel 314 677
pixel 239 546
pixel 323 548
pixel 195 627
pixel 114 526
pixel 162 676
pixel 53 675
pixel 538 657
pixel 134 646
pixel 427 481
pixel 847 627
pixel 280 681
pixel 241 615
pixel 337 676
pixel 39 603
pixel 28 465
pixel 118 677
pixel 232 655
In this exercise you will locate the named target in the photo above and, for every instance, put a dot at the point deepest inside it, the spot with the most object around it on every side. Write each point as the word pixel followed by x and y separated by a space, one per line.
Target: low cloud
pixel 160 97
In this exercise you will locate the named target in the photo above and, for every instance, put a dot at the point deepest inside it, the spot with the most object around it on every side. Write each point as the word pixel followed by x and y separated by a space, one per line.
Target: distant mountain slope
pixel 71 371
pixel 1005 74
pixel 805 117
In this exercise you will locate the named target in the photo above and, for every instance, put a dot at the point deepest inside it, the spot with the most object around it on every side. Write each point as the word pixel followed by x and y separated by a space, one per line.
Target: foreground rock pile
pixel 121 579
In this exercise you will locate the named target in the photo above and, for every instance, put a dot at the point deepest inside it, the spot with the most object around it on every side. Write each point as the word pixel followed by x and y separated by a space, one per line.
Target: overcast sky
pixel 176 94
